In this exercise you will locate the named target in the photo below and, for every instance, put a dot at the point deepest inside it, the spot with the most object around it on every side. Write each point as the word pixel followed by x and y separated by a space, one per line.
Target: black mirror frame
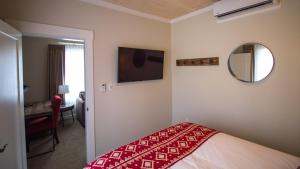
pixel 231 72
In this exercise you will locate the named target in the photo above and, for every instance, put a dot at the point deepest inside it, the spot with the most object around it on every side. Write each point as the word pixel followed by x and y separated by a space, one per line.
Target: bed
pixel 192 146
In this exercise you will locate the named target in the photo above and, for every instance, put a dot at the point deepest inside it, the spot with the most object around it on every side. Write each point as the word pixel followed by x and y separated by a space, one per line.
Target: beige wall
pixel 267 112
pixel 35 67
pixel 130 110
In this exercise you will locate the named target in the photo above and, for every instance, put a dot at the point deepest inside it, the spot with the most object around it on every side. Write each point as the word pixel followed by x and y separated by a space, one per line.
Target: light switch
pixel 109 87
pixel 103 87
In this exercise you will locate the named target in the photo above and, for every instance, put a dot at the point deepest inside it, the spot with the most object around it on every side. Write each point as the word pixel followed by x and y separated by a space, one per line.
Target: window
pixel 74 71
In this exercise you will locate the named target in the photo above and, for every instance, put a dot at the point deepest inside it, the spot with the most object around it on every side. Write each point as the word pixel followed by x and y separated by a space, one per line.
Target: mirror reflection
pixel 251 62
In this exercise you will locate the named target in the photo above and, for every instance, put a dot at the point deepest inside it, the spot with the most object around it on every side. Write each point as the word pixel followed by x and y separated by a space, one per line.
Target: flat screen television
pixel 139 64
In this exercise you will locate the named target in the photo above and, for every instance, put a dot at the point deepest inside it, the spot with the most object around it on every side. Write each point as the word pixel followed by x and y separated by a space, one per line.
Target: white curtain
pixel 74 71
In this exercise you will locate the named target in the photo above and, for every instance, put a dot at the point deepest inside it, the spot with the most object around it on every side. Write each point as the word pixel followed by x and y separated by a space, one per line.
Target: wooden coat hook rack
pixel 198 62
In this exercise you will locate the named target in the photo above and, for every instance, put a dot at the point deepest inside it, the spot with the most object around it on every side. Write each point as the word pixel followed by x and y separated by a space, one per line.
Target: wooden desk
pixel 38 109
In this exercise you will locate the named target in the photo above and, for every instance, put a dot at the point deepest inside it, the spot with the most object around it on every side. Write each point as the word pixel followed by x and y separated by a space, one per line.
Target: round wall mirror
pixel 251 62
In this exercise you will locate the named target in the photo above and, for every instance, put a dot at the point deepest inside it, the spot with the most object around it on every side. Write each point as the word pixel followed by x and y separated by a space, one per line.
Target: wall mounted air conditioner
pixel 227 7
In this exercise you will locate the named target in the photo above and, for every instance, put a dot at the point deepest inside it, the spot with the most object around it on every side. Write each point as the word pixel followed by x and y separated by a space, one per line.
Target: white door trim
pixel 51 31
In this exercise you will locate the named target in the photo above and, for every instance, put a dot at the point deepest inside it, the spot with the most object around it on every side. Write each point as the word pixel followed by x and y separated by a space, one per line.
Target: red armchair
pixel 45 123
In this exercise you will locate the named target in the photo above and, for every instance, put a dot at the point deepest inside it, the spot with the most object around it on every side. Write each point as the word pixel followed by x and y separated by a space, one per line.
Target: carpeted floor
pixel 70 153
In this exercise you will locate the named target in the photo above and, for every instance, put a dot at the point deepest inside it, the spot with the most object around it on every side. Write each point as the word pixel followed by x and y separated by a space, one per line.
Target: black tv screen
pixel 139 64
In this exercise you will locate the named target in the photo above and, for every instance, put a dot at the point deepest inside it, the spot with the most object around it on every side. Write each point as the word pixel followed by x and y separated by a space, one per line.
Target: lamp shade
pixel 63 89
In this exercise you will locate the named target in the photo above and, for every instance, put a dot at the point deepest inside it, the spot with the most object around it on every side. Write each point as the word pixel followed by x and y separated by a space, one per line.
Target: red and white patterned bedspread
pixel 159 150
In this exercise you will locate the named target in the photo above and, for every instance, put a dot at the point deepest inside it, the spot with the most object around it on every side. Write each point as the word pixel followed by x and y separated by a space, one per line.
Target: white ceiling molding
pixel 189 15
pixel 180 18
pixel 126 10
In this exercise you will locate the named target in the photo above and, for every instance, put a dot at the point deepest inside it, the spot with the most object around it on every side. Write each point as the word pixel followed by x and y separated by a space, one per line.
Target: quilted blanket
pixel 159 150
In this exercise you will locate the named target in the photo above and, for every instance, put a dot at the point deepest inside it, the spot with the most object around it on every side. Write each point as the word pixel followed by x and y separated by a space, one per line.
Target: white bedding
pixel 223 151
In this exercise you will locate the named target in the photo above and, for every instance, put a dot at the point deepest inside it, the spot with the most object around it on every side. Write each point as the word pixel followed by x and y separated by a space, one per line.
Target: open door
pixel 12 141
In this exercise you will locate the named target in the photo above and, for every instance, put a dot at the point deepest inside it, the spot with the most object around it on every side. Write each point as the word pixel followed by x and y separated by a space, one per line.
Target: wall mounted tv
pixel 139 64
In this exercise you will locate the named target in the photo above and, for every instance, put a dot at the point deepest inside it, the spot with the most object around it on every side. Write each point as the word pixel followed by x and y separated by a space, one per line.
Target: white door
pixel 11 100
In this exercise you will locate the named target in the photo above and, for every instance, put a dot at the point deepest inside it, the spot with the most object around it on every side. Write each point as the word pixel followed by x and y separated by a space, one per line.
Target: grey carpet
pixel 70 153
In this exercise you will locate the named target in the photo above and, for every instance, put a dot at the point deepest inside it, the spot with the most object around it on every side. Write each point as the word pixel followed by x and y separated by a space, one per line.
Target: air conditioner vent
pixel 228 7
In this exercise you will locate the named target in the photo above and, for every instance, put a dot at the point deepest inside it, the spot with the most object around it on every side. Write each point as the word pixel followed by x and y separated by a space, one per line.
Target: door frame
pixel 59 32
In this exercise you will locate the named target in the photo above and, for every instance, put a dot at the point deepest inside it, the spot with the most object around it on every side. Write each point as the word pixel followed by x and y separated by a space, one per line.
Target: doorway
pixel 50 31
pixel 54 67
